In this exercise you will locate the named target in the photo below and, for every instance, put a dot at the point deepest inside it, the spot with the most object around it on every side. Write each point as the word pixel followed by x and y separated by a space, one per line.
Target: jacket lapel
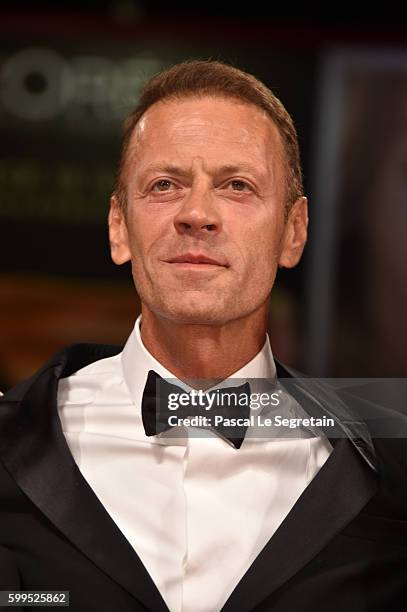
pixel 34 451
pixel 340 490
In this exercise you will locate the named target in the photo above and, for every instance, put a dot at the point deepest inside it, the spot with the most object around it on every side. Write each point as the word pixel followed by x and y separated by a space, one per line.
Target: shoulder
pixel 373 413
pixel 84 385
pixel 77 359
pixel 381 405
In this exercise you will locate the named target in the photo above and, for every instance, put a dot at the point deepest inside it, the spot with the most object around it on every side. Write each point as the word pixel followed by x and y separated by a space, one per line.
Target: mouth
pixel 196 261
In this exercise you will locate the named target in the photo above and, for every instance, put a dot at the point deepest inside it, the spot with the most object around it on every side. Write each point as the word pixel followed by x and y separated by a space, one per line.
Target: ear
pixel 295 234
pixel 118 236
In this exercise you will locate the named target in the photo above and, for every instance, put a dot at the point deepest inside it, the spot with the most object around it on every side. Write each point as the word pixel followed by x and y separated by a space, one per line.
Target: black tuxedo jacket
pixel 342 547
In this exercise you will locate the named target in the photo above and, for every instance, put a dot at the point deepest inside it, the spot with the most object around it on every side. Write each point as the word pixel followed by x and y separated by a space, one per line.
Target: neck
pixel 193 351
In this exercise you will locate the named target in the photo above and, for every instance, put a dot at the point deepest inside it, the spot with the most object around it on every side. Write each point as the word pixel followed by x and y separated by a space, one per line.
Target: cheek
pixel 141 234
pixel 136 243
pixel 262 252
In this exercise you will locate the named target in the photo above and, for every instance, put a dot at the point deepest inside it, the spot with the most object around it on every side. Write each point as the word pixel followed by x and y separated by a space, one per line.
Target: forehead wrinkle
pixel 211 131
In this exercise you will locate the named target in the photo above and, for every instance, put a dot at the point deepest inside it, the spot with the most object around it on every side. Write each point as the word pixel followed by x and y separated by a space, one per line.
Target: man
pixel 208 204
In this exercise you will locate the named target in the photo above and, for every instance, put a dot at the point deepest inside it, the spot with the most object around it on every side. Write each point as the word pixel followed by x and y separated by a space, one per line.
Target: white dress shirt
pixel 196 510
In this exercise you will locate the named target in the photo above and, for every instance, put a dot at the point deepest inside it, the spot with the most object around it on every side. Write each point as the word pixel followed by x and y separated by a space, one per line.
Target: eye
pixel 161 185
pixel 239 185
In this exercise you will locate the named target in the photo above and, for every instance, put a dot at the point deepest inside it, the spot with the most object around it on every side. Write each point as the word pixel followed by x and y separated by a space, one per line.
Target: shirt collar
pixel 137 361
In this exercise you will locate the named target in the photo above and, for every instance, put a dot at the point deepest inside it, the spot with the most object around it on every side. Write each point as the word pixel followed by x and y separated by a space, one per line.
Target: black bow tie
pixel 158 405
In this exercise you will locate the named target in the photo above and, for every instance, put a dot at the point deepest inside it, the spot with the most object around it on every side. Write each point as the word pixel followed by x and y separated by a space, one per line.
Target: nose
pixel 198 213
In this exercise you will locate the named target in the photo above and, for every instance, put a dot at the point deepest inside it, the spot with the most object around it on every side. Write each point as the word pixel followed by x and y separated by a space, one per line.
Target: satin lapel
pixel 339 491
pixel 318 403
pixel 34 451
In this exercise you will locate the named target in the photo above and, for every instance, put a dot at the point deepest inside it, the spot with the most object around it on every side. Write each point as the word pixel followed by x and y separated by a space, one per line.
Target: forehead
pixel 209 126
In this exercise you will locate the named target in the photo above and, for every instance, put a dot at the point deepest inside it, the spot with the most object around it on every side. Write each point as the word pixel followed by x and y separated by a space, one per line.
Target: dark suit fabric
pixel 342 548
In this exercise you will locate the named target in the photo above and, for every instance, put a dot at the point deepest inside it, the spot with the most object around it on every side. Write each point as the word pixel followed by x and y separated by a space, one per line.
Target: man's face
pixel 205 226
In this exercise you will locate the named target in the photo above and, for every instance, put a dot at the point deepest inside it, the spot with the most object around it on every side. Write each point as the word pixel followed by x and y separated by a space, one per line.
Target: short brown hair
pixel 210 77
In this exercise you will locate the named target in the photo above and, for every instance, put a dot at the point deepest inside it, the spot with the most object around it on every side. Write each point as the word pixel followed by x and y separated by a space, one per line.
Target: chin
pixel 193 314
pixel 194 317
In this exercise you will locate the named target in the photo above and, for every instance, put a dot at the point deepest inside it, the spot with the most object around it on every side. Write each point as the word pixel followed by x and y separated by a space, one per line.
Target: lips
pixel 196 258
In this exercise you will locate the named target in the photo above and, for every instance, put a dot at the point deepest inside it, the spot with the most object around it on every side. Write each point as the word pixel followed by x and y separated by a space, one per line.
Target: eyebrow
pixel 178 171
pixel 232 169
pixel 167 169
